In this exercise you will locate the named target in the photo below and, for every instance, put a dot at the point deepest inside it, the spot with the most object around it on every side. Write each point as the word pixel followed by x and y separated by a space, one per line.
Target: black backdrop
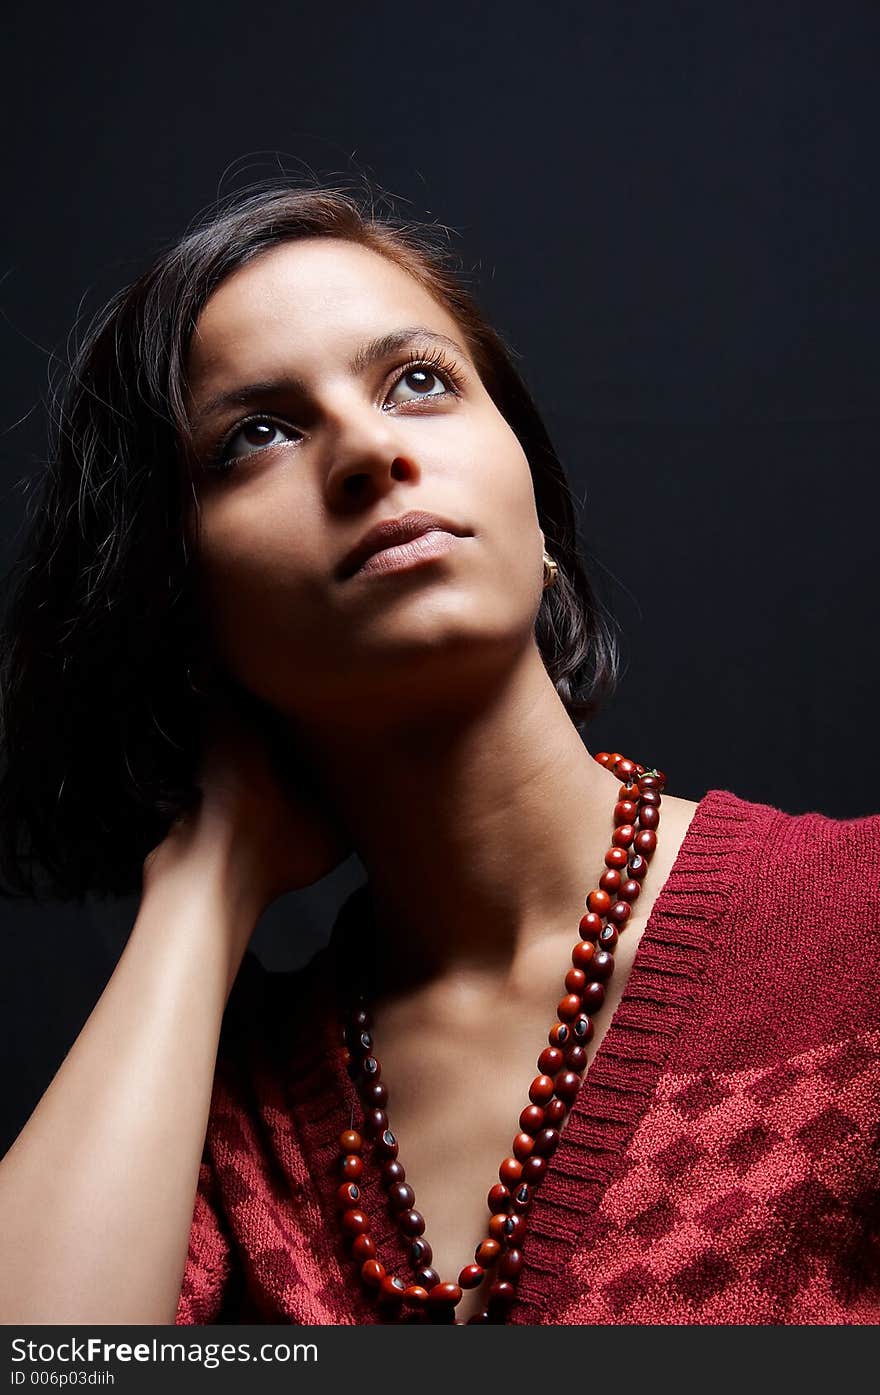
pixel 671 211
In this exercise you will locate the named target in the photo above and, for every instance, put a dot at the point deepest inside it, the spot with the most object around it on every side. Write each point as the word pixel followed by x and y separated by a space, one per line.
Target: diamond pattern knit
pixel 720 1164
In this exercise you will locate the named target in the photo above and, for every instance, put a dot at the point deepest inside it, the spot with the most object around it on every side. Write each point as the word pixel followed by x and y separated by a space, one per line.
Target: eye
pixel 419 379
pixel 258 432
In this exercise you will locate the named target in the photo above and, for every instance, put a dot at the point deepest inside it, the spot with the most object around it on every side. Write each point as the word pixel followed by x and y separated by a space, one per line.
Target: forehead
pixel 314 298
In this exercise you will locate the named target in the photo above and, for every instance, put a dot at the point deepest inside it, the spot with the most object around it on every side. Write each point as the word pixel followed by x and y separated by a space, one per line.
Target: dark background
pixel 669 209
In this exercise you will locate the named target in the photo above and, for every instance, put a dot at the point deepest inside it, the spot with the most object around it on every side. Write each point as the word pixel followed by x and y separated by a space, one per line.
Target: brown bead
pixel 540 1091
pixel 630 890
pixel 498 1198
pixel 610 881
pixel 372 1273
pixel 393 1171
pixel 554 1112
pixel 371 1068
pixel 375 1122
pixel 497 1224
pixel 471 1276
pixel 387 1145
pixel 355 1222
pixel 550 1061
pixel 590 925
pixel 364 1247
pixel 560 1034
pixel 648 782
pixel 523 1144
pixel 546 1142
pixel 566 1085
pixel 410 1222
pixel 582 955
pixel 392 1288
pixel 615 858
pixel 648 817
pixel 620 913
pixel 510 1170
pixel 574 982
pixel 625 811
pixel 576 1058
pixel 599 901
pixel 444 1293
pixel 416 1296
pixel 622 837
pixel 638 867
pixel 510 1264
pixel 351 1167
pixel 481 1316
pixel 568 1007
pixel 646 842
pixel 593 997
pixel 375 1094
pixel 625 769
pixel 420 1253
pixel 348 1195
pixel 532 1117
pixel 359 1018
pixel 427 1277
pixel 533 1169
pixel 501 1294
pixel 603 965
pixel 487 1252
pixel 609 937
pixel 350 1141
pixel 522 1198
pixel 401 1196
pixel 582 1029
pixel 514 1229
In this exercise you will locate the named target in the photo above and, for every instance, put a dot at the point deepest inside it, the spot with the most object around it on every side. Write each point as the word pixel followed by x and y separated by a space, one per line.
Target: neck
pixel 480 834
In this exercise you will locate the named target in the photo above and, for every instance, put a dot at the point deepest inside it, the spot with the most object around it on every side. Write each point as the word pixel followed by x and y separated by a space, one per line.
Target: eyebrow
pixel 366 355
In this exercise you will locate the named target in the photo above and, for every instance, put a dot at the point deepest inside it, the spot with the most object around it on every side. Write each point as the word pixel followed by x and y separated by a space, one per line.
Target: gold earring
pixel 551 570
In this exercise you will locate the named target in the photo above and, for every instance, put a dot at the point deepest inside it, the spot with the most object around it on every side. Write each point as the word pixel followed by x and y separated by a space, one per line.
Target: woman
pixel 232 680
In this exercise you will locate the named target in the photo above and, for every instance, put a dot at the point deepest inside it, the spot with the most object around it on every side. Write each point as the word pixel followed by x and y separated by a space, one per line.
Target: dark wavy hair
pixel 98 724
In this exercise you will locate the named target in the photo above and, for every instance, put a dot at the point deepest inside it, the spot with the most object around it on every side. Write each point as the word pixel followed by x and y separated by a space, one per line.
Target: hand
pixel 259 798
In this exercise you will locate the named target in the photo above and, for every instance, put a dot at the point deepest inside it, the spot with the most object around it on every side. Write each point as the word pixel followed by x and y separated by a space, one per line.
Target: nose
pixel 367 455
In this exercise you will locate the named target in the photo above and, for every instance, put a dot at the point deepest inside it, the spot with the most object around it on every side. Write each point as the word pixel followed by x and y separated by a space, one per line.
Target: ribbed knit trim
pixel 667 978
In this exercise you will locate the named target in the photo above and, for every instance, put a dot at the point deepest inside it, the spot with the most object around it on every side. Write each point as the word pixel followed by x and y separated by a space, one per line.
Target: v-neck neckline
pixel 665 980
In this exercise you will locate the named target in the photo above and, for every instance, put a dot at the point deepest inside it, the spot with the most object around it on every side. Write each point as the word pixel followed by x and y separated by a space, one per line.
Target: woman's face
pixel 321 446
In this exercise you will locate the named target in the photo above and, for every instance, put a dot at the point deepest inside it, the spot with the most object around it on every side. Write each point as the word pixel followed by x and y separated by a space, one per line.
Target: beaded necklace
pixel 561 1064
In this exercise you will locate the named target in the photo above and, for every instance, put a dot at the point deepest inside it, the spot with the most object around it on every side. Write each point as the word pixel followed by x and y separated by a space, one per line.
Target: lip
pixel 391 532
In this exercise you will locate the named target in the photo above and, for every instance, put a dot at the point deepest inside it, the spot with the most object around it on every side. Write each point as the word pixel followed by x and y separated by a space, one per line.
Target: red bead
pixel 560 1035
pixel 514 1230
pixel 375 1122
pixel 510 1264
pixel 555 1111
pixel 355 1222
pixel 546 1142
pixel 625 769
pixel 523 1144
pixel 372 1273
pixel 646 842
pixel 487 1253
pixel 574 982
pixel 401 1196
pixel 481 1316
pixel 620 913
pixel 415 1295
pixel 610 881
pixel 549 1061
pixel 603 964
pixel 590 926
pixel 420 1252
pixel 510 1170
pixel 497 1224
pixel 393 1171
pixel 533 1170
pixel 630 890
pixel 531 1119
pixel 594 997
pixel 609 937
pixel 443 1293
pixel 568 1007
pixel 471 1276
pixel 411 1222
pixel 371 1068
pixel 522 1198
pixel 576 1058
pixel 375 1094
pixel 348 1195
pixel 387 1145
pixel 582 955
pixel 540 1091
pixel 498 1198
pixel 625 811
pixel 364 1247
pixel 599 901
pixel 427 1278
pixel 501 1294
pixel 622 837
pixel 603 757
pixel 567 1084
pixel 350 1141
pixel 648 782
pixel 392 1289
pixel 351 1167
pixel 615 858
pixel 649 818
pixel 582 1029
pixel 650 799
pixel 638 866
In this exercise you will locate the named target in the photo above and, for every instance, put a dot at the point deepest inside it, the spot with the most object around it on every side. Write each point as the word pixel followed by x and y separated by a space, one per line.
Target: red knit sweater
pixel 720 1164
